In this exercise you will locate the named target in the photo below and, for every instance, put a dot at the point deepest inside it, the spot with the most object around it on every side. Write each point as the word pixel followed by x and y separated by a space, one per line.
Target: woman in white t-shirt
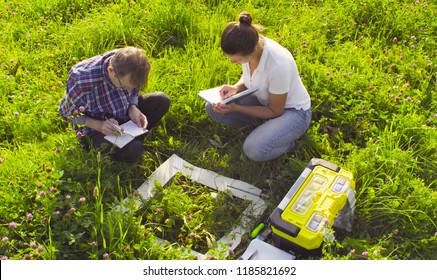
pixel 280 108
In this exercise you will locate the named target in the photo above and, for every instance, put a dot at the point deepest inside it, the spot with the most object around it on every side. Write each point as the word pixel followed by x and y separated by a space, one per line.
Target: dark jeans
pixel 154 106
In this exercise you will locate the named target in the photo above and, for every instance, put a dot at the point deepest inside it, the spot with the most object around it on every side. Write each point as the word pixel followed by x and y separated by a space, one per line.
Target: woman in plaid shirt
pixel 106 88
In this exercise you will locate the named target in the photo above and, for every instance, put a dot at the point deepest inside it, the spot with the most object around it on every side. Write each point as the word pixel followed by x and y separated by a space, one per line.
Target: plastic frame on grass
pixel 166 171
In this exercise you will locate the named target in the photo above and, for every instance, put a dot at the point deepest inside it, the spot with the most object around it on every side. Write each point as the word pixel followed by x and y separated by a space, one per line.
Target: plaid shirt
pixel 91 93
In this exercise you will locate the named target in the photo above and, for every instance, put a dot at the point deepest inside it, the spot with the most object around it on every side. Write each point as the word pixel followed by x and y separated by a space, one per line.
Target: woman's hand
pixel 225 108
pixel 227 91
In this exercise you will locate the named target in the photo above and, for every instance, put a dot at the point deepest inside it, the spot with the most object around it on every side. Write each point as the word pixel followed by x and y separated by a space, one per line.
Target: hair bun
pixel 245 18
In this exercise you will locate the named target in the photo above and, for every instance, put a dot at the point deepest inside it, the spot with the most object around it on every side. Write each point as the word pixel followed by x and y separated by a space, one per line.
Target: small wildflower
pixel 395 39
pixel 413 37
pixel 16 114
pixel 105 255
pixel 78 134
pixel 39 185
pixel 328 73
pixel 75 113
pixel 230 243
pixel 4 258
pixel 414 65
pixel 233 232
pixel 40 248
pixel 82 199
pixel 401 57
pixel 159 210
pixel 231 252
pixel 42 193
pixel 11 60
pixel 189 218
pixel 57 213
pixel 408 99
pixel 365 254
pixel 12 225
pixel 192 235
pixel 29 216
pixel 392 65
pixel 352 252
pixel 72 209
pixel 94 244
pixel 81 108
pixel 26 257
pixel 32 245
pixel 58 150
pixel 53 189
pixel 435 234
pixel 1 160
pixel 68 197
pixel 5 239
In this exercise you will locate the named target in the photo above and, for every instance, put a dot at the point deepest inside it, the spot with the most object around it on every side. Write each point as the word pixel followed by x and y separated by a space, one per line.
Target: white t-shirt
pixel 277 73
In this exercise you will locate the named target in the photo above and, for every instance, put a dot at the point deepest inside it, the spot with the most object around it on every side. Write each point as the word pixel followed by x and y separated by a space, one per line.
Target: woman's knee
pixel 253 151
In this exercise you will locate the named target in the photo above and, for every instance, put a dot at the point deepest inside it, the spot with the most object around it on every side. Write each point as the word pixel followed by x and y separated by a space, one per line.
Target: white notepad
pixel 213 95
pixel 130 131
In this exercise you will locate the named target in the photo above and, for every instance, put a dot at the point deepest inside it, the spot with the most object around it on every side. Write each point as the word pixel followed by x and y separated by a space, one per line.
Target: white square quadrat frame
pixel 166 171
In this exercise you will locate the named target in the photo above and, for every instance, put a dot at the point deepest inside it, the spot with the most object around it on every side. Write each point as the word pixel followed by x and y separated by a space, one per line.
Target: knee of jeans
pixel 210 111
pixel 253 152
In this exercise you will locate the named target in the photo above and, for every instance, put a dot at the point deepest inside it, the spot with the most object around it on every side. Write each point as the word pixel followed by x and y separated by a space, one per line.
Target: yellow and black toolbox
pixel 322 197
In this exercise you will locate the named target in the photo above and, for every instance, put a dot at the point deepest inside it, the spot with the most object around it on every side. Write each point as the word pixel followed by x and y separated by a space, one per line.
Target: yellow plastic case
pixel 311 205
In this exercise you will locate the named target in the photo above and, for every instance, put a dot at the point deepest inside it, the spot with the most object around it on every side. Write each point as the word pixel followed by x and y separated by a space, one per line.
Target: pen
pixel 226 92
pixel 116 127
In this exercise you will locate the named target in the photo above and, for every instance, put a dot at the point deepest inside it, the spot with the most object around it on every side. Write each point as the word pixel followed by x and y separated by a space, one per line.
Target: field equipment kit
pixel 321 198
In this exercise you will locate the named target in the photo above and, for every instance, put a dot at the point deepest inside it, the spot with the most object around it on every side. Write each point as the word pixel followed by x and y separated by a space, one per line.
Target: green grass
pixel 370 69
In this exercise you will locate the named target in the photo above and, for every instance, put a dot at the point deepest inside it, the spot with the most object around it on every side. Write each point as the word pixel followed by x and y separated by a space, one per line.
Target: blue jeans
pixel 271 138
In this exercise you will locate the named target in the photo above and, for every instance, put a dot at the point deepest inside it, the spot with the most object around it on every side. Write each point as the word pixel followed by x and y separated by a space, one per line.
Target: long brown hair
pixel 240 37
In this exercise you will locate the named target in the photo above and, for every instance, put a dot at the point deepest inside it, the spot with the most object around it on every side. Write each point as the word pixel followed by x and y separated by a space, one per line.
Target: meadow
pixel 369 66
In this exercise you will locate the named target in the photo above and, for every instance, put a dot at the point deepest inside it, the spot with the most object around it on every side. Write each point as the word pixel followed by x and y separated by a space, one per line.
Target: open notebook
pixel 129 131
pixel 213 95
